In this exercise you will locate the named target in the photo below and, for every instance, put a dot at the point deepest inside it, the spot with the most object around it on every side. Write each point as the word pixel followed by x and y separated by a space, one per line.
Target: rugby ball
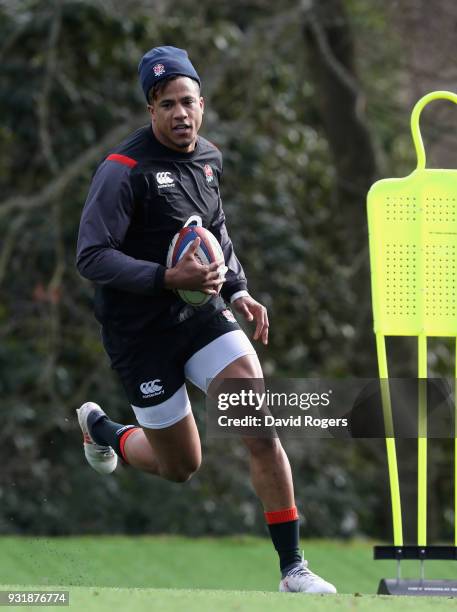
pixel 208 252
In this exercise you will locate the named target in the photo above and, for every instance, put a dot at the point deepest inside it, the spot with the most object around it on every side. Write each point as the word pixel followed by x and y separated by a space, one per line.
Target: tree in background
pixel 309 102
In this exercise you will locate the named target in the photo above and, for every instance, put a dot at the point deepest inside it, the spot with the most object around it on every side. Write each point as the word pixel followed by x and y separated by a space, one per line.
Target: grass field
pixel 173 573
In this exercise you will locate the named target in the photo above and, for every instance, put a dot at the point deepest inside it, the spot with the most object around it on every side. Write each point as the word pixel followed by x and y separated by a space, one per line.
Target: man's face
pixel 177 114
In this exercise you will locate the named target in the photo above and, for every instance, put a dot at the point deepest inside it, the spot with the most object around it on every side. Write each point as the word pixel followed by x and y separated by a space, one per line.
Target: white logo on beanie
pixel 158 69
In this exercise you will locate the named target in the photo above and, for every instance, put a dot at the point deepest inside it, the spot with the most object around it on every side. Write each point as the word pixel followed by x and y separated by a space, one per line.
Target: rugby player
pixel 160 178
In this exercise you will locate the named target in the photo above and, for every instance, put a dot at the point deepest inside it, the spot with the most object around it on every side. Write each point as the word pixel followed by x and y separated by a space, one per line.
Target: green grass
pixel 164 600
pixel 201 574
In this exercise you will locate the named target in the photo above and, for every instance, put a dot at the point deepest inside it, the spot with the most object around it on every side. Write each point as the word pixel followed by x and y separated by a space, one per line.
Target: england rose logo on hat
pixel 158 69
pixel 208 173
pixel 162 62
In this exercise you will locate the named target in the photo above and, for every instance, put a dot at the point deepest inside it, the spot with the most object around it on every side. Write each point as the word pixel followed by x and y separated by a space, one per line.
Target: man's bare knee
pixel 181 472
pixel 176 474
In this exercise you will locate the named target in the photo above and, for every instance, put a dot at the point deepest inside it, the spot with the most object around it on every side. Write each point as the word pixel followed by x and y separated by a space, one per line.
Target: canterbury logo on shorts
pixel 164 179
pixel 151 388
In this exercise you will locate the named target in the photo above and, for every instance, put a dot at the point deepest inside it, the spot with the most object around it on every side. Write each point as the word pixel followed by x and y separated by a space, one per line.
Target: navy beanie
pixel 163 62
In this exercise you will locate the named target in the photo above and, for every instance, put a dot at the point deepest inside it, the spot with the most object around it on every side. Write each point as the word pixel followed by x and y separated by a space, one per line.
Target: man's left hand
pixel 253 311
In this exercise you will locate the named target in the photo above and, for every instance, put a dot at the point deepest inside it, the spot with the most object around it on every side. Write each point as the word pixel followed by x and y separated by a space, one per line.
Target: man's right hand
pixel 189 273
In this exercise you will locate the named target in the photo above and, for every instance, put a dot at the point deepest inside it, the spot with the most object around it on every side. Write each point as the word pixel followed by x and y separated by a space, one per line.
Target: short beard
pixel 184 145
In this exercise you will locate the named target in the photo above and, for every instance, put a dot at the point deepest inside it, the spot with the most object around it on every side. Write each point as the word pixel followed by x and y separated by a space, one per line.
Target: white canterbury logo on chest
pixel 164 179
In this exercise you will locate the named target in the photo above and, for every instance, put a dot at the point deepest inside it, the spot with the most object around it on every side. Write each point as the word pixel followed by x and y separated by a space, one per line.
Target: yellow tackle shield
pixel 412 224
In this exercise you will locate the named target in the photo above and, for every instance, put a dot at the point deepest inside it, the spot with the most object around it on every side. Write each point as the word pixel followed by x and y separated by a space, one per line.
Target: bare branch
pixel 9 244
pixel 43 98
pixel 336 67
pixel 68 174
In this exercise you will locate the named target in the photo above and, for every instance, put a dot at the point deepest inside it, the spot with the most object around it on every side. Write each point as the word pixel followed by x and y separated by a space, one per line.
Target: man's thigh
pixel 177 449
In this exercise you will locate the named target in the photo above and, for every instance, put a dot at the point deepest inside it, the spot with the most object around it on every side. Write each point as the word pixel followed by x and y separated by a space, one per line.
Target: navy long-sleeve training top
pixel 140 196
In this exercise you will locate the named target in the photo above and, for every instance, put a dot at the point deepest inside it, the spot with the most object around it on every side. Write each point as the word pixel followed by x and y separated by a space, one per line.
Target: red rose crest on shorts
pixel 208 173
pixel 158 69
pixel 228 314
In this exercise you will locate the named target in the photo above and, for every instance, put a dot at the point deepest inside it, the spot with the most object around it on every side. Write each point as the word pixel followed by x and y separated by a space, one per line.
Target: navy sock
pixel 285 537
pixel 106 432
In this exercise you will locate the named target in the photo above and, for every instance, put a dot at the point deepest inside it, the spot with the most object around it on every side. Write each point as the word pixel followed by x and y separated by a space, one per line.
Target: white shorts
pixel 200 369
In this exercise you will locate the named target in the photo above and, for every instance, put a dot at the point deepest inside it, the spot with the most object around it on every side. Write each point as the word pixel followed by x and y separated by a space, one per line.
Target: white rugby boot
pixel 300 579
pixel 102 458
